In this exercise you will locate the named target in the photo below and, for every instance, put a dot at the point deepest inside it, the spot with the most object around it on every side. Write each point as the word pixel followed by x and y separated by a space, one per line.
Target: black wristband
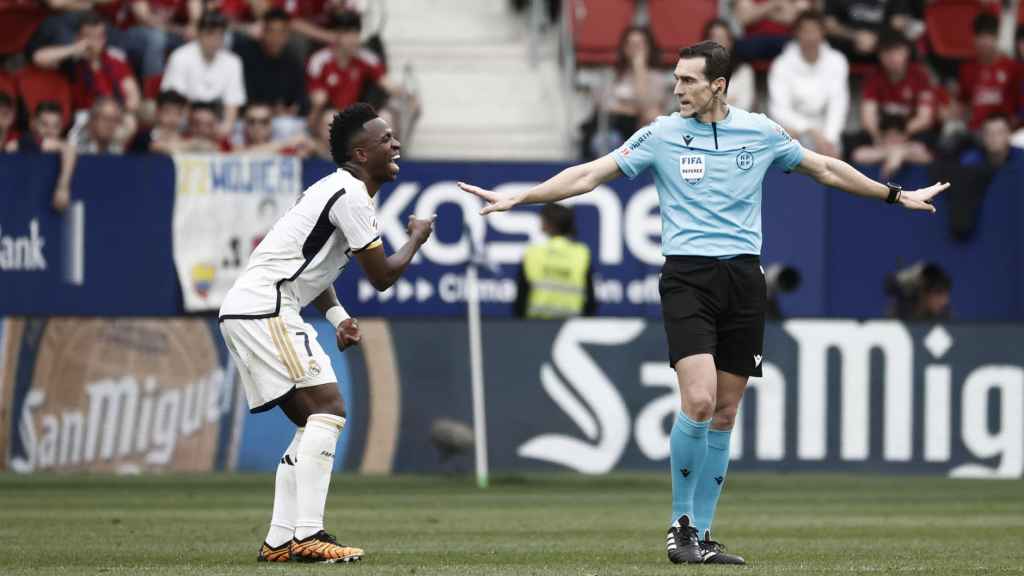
pixel 895 191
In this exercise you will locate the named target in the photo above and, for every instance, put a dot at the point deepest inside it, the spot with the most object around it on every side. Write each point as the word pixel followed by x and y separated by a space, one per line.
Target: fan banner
pixel 223 207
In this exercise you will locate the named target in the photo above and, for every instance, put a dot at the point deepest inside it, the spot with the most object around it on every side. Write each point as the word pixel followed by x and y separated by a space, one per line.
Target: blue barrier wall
pixel 843 246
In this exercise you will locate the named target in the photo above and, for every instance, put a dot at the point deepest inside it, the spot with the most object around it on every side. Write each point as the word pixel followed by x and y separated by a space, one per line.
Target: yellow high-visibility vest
pixel 557 273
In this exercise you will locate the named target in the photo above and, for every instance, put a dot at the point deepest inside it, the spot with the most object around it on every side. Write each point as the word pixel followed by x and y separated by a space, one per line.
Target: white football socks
pixel 313 471
pixel 282 524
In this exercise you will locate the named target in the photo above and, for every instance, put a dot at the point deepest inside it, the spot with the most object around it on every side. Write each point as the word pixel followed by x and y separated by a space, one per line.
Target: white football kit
pixel 305 251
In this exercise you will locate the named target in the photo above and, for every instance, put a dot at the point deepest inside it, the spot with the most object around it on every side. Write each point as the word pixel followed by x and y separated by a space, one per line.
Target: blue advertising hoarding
pixel 111 253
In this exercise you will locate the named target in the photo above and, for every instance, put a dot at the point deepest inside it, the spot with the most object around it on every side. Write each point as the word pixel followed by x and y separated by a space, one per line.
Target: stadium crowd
pixel 854 78
pixel 166 76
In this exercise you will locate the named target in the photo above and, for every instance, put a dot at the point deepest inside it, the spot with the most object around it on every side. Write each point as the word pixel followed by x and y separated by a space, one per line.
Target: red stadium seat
pixel 678 24
pixel 950 27
pixel 18 21
pixel 597 26
pixel 36 85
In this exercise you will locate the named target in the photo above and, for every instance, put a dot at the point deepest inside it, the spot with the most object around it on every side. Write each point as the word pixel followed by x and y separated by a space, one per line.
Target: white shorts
pixel 275 356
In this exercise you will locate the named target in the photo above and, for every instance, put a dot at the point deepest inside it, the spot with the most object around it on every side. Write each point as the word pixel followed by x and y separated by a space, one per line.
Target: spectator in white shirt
pixel 203 70
pixel 808 87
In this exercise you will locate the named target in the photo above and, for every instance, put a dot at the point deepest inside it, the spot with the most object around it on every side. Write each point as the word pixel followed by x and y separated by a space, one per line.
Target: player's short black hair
pixel 809 16
pixel 6 101
pixel 345 126
pixel 88 20
pixel 171 97
pixel 717 62
pixel 890 38
pixel 986 23
pixel 47 106
pixel 212 20
pixel 347 21
pixel 560 219
pixel 276 15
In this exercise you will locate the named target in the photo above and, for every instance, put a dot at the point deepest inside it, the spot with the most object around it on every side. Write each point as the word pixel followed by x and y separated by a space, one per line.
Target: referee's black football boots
pixel 714 553
pixel 682 543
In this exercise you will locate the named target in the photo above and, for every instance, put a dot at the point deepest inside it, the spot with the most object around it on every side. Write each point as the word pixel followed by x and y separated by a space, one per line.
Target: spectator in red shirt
pixel 901 88
pixel 342 74
pixel 94 69
pixel 986 83
pixel 897 110
pixel 8 135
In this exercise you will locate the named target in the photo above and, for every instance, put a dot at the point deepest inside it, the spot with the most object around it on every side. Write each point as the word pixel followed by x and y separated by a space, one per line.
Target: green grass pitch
pixel 537 524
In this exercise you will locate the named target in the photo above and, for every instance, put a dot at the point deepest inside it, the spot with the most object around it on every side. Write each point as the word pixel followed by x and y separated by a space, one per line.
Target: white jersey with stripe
pixel 306 249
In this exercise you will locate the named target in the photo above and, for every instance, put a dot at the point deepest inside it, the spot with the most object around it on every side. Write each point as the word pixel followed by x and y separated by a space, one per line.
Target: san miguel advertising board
pixel 587 395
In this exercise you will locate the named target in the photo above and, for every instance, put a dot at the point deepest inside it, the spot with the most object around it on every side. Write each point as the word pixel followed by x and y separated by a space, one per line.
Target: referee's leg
pixel 688 442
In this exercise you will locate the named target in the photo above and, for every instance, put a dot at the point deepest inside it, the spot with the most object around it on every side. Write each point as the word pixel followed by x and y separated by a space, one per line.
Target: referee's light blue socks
pixel 688 445
pixel 711 480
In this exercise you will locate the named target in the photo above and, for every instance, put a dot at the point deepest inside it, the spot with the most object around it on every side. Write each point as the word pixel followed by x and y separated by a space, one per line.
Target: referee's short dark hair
pixel 717 62
pixel 345 126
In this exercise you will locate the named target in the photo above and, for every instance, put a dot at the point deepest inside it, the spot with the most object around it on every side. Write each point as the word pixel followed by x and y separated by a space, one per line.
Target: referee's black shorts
pixel 715 307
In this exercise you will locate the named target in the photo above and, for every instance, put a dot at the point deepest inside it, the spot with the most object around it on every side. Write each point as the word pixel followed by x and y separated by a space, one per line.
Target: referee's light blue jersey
pixel 709 178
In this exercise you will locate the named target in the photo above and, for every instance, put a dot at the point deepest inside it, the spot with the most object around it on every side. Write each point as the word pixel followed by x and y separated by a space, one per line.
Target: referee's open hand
pixel 495 202
pixel 348 333
pixel 921 199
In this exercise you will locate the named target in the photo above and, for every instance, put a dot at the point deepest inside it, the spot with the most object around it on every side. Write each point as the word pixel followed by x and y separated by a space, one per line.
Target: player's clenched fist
pixel 348 333
pixel 421 228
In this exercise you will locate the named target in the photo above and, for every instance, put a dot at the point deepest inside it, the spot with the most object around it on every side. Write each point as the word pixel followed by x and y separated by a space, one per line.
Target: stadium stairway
pixel 481 97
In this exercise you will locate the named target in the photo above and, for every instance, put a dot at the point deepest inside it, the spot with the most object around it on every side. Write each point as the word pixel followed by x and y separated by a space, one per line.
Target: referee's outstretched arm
pixel 572 181
pixel 835 173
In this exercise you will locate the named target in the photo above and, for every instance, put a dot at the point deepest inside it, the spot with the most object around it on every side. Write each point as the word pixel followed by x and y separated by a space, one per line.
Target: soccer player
pixel 709 162
pixel 277 354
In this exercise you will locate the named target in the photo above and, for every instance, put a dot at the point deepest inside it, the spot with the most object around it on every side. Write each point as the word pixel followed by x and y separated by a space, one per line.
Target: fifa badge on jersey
pixel 314 368
pixel 691 167
pixel 744 160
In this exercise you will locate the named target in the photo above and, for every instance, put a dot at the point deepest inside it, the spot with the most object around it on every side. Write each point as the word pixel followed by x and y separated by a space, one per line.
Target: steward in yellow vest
pixel 555 280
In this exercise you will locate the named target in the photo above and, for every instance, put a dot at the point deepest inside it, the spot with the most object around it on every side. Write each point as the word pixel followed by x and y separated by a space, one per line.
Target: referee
pixel 709 162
